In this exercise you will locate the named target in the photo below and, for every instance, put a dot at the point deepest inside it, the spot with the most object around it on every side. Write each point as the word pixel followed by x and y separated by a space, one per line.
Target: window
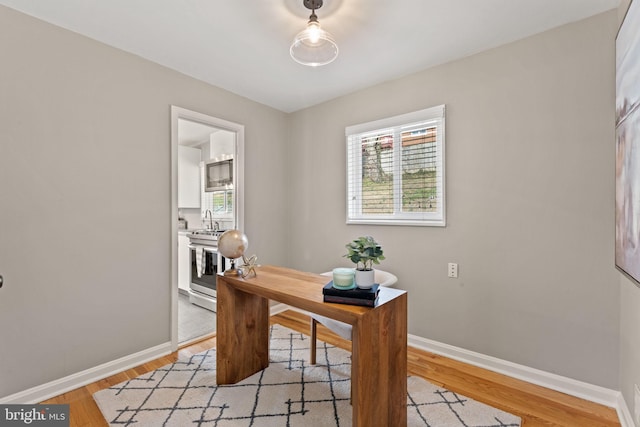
pixel 220 203
pixel 395 170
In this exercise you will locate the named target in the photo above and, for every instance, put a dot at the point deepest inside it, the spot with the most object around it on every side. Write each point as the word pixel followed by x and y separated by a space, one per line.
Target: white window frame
pixel 355 133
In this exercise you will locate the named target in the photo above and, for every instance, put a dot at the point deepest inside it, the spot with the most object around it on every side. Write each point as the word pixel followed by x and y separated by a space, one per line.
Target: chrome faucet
pixel 210 226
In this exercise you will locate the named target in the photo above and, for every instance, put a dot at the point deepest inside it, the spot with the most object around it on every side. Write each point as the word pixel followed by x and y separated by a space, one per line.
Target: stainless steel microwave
pixel 218 175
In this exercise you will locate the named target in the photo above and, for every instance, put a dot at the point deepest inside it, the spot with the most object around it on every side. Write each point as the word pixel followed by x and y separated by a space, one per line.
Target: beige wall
pixel 629 316
pixel 629 339
pixel 85 208
pixel 85 215
pixel 530 187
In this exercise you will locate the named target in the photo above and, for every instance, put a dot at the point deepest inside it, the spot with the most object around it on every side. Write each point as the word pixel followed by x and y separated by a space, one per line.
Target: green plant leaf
pixel 364 250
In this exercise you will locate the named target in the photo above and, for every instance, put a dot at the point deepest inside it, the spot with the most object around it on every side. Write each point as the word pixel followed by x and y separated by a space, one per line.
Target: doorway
pixel 196 139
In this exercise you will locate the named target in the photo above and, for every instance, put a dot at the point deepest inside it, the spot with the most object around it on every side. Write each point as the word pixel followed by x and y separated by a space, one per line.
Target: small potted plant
pixel 364 252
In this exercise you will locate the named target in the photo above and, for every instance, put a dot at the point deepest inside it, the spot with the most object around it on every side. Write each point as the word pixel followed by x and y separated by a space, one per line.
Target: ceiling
pixel 243 45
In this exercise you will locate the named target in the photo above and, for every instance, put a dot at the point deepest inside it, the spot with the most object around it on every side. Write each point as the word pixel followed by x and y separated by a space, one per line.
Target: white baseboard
pixel 624 414
pixel 593 393
pixel 559 383
pixel 279 308
pixel 80 379
pixel 590 392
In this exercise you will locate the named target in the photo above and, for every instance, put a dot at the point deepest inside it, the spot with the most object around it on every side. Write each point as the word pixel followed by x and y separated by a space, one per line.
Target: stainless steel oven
pixel 205 263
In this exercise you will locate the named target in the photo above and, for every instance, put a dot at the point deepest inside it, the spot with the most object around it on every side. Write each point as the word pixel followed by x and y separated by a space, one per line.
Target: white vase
pixel 365 279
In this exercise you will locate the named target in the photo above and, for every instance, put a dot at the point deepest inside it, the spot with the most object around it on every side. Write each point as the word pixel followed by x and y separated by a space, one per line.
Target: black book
pixel 351 301
pixel 366 294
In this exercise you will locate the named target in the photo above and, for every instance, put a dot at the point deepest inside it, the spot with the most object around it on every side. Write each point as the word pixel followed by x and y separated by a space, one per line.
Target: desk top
pixel 303 290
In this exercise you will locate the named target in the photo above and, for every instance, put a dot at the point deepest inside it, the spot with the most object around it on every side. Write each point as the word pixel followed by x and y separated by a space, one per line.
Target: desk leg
pixel 379 370
pixel 242 336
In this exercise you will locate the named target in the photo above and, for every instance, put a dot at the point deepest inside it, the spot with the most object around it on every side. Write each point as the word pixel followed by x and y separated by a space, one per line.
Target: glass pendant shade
pixel 313 46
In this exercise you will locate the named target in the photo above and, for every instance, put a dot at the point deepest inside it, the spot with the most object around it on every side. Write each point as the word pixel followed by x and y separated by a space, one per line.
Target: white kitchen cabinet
pixel 184 262
pixel 188 177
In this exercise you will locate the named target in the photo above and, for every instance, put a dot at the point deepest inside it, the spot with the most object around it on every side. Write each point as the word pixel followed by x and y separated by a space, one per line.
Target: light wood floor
pixel 536 405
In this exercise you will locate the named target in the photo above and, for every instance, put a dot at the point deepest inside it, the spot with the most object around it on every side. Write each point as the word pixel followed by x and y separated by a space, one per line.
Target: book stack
pixel 356 296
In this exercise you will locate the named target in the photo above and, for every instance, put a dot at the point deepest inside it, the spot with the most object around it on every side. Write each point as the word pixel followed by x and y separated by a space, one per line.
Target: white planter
pixel 365 279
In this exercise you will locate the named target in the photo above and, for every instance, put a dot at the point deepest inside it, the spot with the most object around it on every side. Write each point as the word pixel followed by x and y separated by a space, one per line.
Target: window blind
pixel 395 173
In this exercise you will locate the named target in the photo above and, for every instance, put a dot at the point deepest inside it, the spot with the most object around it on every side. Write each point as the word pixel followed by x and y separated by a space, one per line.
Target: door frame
pixel 238 177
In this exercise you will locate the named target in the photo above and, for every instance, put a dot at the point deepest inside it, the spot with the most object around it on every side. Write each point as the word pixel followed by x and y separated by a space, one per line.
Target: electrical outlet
pixel 636 404
pixel 453 270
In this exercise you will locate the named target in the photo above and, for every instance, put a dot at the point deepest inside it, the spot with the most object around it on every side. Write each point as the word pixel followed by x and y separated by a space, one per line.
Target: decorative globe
pixel 232 244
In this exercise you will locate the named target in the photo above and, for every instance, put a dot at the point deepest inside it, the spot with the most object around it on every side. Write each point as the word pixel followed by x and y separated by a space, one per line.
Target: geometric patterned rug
pixel 290 392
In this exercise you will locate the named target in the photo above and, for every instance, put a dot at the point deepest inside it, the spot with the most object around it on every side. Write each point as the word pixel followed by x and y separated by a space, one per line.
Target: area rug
pixel 290 392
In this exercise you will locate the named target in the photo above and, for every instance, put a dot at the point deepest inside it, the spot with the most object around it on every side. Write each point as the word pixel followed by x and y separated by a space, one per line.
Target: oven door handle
pixel 212 249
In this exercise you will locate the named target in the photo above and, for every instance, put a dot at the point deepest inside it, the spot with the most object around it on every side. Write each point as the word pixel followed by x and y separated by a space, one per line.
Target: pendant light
pixel 313 46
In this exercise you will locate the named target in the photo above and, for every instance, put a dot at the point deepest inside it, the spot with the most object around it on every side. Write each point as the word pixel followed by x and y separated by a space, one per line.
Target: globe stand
pixel 232 271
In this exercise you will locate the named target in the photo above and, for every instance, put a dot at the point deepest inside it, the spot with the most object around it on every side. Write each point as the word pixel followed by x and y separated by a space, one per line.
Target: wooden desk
pixel 379 345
